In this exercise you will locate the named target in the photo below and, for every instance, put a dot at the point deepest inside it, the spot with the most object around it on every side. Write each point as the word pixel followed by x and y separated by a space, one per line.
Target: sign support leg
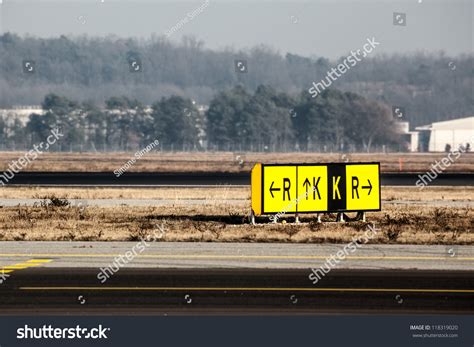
pixel 360 216
pixel 319 217
pixel 252 218
pixel 297 219
pixel 340 217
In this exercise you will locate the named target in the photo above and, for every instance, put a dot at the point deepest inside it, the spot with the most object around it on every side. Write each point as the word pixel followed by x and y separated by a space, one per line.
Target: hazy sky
pixel 319 28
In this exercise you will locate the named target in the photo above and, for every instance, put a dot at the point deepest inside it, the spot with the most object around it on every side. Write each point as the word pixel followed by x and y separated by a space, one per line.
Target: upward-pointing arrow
pixel 306 184
pixel 273 189
pixel 369 187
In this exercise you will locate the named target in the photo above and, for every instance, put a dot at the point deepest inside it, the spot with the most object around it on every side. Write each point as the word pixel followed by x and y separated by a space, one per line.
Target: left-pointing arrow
pixel 369 187
pixel 273 189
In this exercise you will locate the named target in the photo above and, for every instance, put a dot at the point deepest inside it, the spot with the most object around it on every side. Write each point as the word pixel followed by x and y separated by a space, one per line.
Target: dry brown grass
pixel 223 161
pixel 217 193
pixel 428 193
pixel 229 223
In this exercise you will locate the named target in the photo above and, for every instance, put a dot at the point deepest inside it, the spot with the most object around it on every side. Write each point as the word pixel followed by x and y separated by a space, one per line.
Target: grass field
pixel 212 221
pixel 226 161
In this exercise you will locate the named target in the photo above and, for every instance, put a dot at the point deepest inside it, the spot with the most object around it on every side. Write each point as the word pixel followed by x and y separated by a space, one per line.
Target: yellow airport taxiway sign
pixel 315 188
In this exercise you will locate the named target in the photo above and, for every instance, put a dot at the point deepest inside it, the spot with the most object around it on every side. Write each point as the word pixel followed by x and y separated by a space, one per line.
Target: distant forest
pixel 237 120
pixel 430 87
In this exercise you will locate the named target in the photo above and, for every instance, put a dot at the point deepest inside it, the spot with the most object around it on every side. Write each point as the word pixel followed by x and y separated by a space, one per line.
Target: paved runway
pixel 61 277
pixel 243 290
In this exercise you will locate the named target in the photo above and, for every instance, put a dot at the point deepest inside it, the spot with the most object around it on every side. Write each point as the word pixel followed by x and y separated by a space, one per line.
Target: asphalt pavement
pixel 174 278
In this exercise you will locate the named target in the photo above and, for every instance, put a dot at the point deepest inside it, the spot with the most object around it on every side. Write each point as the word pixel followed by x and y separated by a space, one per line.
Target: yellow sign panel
pixel 362 187
pixel 335 187
pixel 279 188
pixel 312 188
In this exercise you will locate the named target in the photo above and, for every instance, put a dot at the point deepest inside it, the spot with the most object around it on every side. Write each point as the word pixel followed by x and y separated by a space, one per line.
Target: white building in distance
pixel 456 133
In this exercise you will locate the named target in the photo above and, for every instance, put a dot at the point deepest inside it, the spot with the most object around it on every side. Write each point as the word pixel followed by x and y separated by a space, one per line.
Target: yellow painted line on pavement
pixel 240 256
pixel 25 265
pixel 39 261
pixel 289 289
pixel 15 267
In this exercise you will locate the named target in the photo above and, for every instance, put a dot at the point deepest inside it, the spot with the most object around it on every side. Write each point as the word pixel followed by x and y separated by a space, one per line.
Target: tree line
pixel 235 119
pixel 430 87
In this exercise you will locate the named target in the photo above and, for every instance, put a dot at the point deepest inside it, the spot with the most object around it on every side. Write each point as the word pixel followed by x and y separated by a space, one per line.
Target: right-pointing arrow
pixel 273 189
pixel 369 187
